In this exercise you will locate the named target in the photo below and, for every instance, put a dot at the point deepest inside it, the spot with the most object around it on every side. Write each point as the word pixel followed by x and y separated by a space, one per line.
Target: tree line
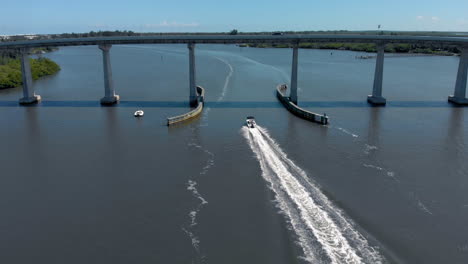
pixel 10 70
pixel 370 47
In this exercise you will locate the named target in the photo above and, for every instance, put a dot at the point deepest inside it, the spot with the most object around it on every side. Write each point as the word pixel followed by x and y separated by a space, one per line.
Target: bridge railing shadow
pixel 235 104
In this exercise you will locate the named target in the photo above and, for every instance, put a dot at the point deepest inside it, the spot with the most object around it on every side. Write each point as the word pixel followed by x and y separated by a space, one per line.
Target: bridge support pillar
pixel 376 97
pixel 192 79
pixel 459 95
pixel 29 97
pixel 109 93
pixel 293 93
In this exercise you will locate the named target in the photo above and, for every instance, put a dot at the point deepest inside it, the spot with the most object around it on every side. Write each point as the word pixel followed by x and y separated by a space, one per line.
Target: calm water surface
pixel 81 183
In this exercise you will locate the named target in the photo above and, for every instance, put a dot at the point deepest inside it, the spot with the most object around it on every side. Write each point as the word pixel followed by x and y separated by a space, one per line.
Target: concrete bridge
pixel 105 44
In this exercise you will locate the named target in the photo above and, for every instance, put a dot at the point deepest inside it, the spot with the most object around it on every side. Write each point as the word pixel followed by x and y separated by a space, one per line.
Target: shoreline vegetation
pixel 369 47
pixel 10 67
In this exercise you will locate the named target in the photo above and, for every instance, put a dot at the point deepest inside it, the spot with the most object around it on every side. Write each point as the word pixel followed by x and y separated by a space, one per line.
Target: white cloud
pixel 433 19
pixel 166 24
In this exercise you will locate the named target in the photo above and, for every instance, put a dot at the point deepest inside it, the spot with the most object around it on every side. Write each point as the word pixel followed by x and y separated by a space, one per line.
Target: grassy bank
pixel 10 70
pixel 368 47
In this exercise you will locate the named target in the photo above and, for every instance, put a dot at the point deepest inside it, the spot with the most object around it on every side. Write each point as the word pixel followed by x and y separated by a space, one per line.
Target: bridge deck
pixel 234 39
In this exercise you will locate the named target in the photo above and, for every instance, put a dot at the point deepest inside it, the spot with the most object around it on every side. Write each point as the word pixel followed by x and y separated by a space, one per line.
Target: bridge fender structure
pixel 192 114
pixel 29 97
pixel 459 95
pixel 109 92
pixel 376 97
pixel 296 110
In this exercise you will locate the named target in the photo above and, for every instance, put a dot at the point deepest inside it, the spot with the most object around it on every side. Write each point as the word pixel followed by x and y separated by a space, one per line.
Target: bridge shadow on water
pixel 235 104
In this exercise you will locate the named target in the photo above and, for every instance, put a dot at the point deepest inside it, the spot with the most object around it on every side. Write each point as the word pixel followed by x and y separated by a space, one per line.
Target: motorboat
pixel 250 122
pixel 139 113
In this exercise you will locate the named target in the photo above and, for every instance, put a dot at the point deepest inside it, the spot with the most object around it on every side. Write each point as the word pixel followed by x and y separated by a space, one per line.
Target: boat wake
pixel 323 232
pixel 227 80
pixel 347 132
pixel 421 206
pixel 192 183
pixel 192 187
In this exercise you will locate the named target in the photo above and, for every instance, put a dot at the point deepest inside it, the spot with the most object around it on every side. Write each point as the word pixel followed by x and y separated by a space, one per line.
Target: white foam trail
pixel 368 148
pixel 193 218
pixel 192 187
pixel 324 234
pixel 282 72
pixel 423 207
pixel 390 174
pixel 420 204
pixel 194 239
pixel 227 80
pixel 347 132
pixel 209 163
pixel 223 91
pixel 249 60
pixel 191 184
pixel 373 167
pixel 346 226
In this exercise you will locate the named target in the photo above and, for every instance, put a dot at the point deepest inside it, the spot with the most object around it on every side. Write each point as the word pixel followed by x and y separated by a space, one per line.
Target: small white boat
pixel 139 113
pixel 250 122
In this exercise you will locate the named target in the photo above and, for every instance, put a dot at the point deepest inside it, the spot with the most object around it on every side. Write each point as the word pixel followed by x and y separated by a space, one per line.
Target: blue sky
pixel 54 16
